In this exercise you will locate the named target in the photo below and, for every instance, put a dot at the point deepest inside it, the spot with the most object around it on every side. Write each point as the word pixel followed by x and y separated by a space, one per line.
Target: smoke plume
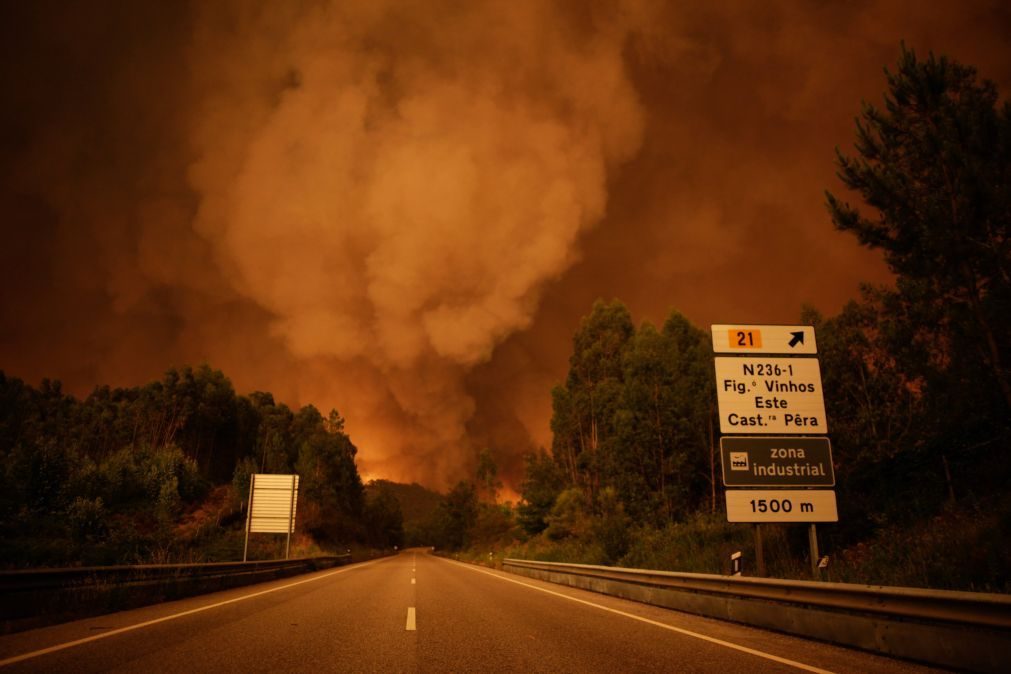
pixel 404 179
pixel 401 209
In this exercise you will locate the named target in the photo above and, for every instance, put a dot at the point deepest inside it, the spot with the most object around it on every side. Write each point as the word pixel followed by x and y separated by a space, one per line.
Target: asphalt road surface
pixel 417 613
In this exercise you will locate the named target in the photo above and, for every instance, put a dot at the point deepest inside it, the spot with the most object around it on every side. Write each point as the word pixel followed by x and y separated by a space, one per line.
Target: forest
pixel 160 473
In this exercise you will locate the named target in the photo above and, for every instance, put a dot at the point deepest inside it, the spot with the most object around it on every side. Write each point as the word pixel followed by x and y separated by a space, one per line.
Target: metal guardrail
pixel 34 597
pixel 964 630
pixel 22 580
pixel 968 608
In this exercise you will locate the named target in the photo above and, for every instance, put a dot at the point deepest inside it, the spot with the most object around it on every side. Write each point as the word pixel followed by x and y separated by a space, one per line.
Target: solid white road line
pixel 148 623
pixel 703 637
pixel 411 626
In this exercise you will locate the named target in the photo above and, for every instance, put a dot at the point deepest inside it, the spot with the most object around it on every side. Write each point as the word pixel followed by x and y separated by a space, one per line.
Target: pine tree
pixel 935 166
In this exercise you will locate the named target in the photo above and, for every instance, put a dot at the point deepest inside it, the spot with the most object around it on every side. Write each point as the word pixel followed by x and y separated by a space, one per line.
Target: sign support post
pixel 291 520
pixel 777 459
pixel 812 537
pixel 249 511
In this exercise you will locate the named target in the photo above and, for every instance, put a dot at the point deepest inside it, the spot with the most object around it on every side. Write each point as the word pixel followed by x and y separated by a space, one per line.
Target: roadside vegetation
pixel 160 473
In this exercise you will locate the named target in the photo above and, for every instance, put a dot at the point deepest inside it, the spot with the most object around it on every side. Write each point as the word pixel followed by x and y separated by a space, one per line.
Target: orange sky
pixel 401 209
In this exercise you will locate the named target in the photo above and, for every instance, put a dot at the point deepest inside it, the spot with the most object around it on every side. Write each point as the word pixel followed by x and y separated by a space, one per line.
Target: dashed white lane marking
pixel 148 623
pixel 411 625
pixel 703 637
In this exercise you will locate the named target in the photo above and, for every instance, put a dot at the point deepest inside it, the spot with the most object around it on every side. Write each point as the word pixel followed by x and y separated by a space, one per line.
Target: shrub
pixel 87 519
pixel 570 516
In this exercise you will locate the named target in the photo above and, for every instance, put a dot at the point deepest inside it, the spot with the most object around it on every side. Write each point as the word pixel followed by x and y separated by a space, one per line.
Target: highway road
pixel 417 613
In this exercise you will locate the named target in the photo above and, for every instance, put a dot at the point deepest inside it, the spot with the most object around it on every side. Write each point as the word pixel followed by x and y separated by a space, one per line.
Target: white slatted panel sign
pixel 274 504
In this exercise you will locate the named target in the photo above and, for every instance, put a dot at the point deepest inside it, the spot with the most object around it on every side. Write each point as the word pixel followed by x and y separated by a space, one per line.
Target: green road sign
pixel 777 462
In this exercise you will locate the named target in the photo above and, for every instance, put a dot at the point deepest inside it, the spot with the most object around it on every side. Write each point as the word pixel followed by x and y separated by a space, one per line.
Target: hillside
pixel 417 503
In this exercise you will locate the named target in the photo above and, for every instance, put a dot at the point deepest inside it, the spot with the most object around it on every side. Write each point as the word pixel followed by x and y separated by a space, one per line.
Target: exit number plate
pixel 746 339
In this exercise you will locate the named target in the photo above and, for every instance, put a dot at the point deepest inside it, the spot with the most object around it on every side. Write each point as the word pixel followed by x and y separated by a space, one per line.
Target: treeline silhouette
pixel 161 472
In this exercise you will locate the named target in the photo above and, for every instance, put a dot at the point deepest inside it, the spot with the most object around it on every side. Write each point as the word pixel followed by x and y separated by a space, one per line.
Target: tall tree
pixel 696 404
pixel 384 520
pixel 487 482
pixel 543 481
pixel 934 165
pixel 329 477
pixel 649 427
pixel 456 516
pixel 566 442
pixel 593 387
